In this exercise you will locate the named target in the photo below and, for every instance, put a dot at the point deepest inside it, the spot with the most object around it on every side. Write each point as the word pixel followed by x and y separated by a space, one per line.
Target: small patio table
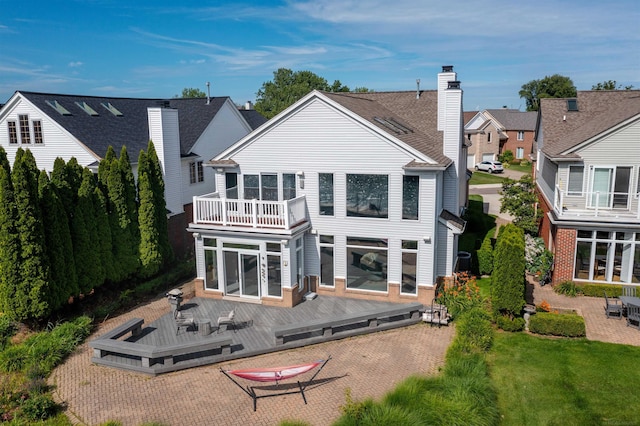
pixel 629 300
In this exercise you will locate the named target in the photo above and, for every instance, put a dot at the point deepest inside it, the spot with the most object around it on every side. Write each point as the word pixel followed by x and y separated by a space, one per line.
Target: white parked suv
pixel 490 166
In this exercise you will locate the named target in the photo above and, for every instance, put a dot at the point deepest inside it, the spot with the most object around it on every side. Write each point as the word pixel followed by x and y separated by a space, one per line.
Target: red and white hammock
pixel 274 374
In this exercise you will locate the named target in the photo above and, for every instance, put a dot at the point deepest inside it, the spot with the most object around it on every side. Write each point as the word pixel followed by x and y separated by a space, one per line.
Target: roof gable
pixel 123 121
pixel 598 111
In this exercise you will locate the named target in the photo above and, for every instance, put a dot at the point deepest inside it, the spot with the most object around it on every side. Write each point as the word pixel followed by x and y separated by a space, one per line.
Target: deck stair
pixel 436 314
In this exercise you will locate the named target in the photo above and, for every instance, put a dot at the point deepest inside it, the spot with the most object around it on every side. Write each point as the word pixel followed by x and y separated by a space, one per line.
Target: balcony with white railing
pixel 210 209
pixel 605 206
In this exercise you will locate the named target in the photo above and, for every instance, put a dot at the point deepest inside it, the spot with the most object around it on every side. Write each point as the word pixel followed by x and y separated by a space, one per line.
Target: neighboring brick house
pixel 588 179
pixel 345 194
pixel 185 132
pixel 494 131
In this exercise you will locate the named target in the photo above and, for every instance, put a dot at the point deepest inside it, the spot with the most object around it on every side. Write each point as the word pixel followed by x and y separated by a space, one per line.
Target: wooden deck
pixel 255 329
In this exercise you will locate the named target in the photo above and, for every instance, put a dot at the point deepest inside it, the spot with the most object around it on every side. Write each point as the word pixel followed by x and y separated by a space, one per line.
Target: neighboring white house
pixel 346 194
pixel 588 179
pixel 185 132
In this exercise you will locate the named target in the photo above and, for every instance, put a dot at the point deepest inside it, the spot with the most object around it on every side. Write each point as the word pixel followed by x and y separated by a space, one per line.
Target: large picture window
pixel 410 197
pixel 367 195
pixel 367 264
pixel 326 193
pixel 251 187
pixel 608 256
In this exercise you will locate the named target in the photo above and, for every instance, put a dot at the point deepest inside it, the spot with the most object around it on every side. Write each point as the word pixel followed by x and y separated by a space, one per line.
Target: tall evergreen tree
pixel 86 196
pixel 123 221
pixel 10 267
pixel 508 278
pixel 157 185
pixel 63 282
pixel 61 181
pixel 104 244
pixel 31 294
pixel 150 250
pixel 104 167
pixel 88 265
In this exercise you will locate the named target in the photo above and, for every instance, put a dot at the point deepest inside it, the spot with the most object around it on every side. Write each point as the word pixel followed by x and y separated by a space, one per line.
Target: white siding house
pixel 185 132
pixel 341 194
pixel 588 179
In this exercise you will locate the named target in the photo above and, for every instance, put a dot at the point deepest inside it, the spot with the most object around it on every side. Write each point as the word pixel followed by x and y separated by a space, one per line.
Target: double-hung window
pixel 13 132
pixel 576 176
pixel 25 134
pixel 520 135
pixel 196 172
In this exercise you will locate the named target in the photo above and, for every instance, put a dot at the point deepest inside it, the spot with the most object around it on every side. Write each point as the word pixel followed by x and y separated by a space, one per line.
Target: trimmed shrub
pixel 485 254
pixel 506 157
pixel 550 323
pixel 510 324
pixel 597 290
pixel 508 279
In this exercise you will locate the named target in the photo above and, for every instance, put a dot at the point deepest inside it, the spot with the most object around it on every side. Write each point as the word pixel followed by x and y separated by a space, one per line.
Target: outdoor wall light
pixel 427 239
pixel 300 179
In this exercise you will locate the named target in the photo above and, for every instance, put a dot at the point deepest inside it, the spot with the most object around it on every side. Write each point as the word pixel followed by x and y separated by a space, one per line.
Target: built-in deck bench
pixel 349 324
pixel 108 350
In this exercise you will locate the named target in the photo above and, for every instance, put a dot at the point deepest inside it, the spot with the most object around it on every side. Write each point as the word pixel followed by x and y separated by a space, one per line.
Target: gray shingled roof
pixel 253 118
pixel 598 111
pixel 513 119
pixel 420 115
pixel 130 129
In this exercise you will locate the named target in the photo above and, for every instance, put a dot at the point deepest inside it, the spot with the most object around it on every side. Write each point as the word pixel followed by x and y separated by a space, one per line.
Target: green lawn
pixel 484 178
pixel 543 381
pixel 520 168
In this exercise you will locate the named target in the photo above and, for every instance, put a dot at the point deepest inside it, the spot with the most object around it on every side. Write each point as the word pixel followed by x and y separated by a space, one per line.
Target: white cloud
pixel 75 64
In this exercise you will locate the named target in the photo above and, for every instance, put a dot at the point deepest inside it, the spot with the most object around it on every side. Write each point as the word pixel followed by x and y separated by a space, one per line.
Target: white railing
pixel 596 204
pixel 211 209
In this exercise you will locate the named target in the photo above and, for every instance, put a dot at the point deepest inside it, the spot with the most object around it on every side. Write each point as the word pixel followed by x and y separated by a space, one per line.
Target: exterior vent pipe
pixel 417 88
pixel 208 94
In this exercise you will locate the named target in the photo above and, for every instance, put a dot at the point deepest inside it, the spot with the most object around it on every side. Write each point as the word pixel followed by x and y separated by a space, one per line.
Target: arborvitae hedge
pixel 508 279
pixel 485 253
pixel 10 274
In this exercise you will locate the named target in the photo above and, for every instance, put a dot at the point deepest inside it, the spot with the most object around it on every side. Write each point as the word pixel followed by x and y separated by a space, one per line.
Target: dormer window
pixel 572 105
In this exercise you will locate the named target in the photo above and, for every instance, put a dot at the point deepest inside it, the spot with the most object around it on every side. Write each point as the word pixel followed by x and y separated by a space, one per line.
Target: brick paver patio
pixel 370 366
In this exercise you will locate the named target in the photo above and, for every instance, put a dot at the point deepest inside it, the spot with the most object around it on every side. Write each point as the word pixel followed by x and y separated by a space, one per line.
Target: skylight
pixel 59 108
pixel 393 125
pixel 572 105
pixel 86 108
pixel 113 110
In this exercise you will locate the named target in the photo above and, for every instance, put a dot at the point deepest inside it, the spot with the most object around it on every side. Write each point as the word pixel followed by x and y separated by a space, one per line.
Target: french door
pixel 610 187
pixel 242 275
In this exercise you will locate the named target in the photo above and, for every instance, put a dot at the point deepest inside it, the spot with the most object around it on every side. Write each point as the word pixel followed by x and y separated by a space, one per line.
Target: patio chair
pixel 633 316
pixel 612 307
pixel 186 320
pixel 228 320
pixel 629 290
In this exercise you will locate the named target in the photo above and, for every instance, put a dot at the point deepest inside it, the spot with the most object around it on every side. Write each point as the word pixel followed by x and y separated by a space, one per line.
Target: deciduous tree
pixel 610 85
pixel 288 86
pixel 191 92
pixel 555 86
pixel 520 200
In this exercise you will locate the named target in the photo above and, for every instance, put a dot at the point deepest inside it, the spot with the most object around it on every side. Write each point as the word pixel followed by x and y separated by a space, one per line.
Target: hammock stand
pixel 275 375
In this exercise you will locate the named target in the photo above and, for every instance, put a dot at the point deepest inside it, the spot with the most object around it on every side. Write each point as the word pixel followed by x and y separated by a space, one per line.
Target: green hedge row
pixel 570 288
pixel 549 323
pixel 485 254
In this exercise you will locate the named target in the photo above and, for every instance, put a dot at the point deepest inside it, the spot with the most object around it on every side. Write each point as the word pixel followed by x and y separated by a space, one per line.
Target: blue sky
pixel 156 48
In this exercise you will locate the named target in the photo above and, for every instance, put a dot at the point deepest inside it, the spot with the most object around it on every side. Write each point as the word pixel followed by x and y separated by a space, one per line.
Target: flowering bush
pixel 544 307
pixel 461 295
pixel 538 259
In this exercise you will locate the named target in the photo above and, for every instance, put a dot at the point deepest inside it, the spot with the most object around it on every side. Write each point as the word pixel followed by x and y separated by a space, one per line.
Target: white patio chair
pixel 228 320
pixel 186 320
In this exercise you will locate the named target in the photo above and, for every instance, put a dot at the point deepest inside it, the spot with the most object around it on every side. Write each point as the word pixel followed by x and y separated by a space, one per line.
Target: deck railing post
pixel 254 205
pixel 597 202
pixel 196 206
pixel 224 205
pixel 285 206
